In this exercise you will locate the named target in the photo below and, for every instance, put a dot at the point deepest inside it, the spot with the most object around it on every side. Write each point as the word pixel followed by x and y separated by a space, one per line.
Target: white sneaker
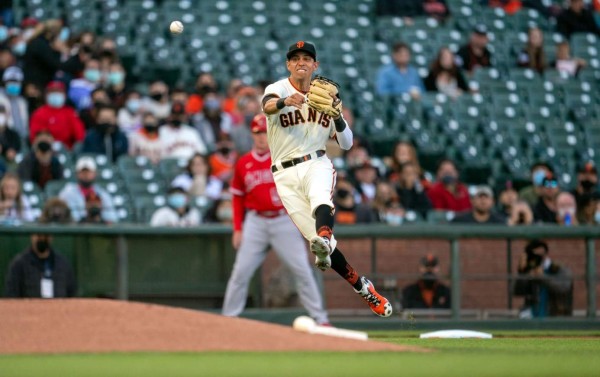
pixel 320 247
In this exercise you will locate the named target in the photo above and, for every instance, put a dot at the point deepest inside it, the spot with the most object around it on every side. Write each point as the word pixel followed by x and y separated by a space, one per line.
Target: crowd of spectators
pixel 67 92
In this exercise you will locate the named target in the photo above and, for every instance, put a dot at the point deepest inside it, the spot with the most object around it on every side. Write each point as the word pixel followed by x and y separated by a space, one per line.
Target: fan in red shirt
pixel 448 194
pixel 55 117
pixel 261 222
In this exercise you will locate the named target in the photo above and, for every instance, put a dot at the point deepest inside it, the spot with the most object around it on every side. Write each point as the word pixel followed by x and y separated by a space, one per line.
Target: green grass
pixel 511 354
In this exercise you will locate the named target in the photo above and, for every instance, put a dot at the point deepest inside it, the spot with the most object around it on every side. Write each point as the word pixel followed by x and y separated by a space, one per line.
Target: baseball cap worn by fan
pixel 483 190
pixel 429 260
pixel 55 86
pixel 307 47
pixel 86 162
pixel 12 74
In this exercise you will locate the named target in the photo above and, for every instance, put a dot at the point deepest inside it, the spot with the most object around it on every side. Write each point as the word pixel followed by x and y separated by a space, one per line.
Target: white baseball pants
pixel 303 188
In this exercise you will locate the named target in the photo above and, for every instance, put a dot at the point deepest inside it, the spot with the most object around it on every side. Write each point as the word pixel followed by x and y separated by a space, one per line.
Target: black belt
pixel 296 161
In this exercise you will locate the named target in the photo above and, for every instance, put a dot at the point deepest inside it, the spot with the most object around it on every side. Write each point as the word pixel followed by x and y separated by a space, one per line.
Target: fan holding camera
pixel 546 285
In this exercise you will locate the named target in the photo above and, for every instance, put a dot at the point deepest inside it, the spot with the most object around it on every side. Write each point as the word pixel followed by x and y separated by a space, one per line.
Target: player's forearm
pixel 273 105
pixel 343 133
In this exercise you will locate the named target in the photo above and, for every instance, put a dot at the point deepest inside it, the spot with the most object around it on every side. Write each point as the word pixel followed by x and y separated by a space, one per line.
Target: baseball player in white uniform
pixel 260 221
pixel 303 174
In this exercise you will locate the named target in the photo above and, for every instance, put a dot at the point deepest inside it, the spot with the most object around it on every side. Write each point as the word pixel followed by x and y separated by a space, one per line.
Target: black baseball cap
pixel 429 260
pixel 307 47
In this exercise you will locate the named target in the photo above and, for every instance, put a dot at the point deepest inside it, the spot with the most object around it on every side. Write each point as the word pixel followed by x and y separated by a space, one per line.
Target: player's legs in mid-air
pixel 306 192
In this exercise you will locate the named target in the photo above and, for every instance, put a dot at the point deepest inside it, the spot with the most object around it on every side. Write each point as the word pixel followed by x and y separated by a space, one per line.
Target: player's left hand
pixel 323 96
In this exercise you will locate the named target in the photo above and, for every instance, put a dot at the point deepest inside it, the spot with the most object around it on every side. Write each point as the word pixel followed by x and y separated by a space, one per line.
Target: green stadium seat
pixel 440 217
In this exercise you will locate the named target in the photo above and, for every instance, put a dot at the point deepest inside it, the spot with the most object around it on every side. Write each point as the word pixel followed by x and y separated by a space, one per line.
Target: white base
pixel 456 334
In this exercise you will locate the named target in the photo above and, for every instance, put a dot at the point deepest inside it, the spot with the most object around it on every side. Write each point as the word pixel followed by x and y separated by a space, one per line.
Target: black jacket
pixel 26 271
pixel 414 200
pixel 412 296
pixel 569 22
pixel 41 62
pixel 558 280
pixel 29 170
pixel 9 139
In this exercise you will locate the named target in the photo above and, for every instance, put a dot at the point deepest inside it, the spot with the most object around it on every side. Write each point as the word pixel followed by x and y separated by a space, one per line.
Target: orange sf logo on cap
pixel 300 44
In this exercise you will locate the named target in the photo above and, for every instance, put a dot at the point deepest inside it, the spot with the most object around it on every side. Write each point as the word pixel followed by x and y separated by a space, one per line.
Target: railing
pixel 452 233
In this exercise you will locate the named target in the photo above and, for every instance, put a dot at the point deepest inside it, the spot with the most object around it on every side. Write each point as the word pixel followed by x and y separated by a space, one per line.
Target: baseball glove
pixel 323 96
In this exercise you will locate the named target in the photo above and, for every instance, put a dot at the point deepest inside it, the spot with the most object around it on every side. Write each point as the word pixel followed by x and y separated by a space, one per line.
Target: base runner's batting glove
pixel 323 96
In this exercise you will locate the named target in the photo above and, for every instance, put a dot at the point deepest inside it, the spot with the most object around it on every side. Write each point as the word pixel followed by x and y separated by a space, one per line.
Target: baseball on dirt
pixel 176 27
pixel 304 324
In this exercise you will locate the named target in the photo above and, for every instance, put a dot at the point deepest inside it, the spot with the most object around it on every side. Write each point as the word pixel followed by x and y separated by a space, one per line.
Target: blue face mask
pixel 597 217
pixel 133 105
pixel 55 99
pixel 64 34
pixel 538 176
pixel 13 88
pixel 177 201
pixel 20 48
pixel 3 33
pixel 212 104
pixel 116 78
pixel 92 75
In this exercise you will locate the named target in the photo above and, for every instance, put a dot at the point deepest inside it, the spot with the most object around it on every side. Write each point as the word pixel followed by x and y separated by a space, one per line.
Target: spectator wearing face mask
pixel 204 83
pixel 222 161
pixel 129 118
pixel 212 123
pixel 10 141
pixel 106 138
pixel 115 84
pixel 60 120
pixel 222 210
pixel 566 209
pixel 587 182
pixel 41 165
pixel 13 101
pixel 345 206
pixel 158 101
pixel 177 212
pixel 384 208
pixel 531 193
pixel 145 141
pixel 428 292
pixel 80 90
pixel 40 271
pixel 179 139
pixel 76 194
pixel 448 193
pixel 411 191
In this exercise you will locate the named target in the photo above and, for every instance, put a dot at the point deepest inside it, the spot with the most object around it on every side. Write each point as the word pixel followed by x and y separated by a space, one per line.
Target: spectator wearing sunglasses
pixel 545 208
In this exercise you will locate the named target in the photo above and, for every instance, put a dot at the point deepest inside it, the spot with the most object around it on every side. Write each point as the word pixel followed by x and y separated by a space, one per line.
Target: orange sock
pixel 324 231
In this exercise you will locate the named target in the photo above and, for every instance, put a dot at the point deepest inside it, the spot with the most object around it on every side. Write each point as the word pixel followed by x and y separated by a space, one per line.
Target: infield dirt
pixel 93 325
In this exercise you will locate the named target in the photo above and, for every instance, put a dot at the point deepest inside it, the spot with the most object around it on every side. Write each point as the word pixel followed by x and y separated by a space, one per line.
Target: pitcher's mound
pixel 89 325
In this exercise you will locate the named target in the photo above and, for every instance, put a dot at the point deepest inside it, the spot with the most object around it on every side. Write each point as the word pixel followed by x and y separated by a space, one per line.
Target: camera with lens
pixel 533 260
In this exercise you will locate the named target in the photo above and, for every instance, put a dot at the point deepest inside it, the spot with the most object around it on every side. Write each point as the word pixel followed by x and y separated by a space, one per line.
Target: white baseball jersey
pixel 293 132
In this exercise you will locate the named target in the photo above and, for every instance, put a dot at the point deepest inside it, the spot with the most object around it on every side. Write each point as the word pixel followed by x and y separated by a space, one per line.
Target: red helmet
pixel 259 123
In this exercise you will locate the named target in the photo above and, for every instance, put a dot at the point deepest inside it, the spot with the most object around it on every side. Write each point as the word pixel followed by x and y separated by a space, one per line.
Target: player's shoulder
pixel 276 87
